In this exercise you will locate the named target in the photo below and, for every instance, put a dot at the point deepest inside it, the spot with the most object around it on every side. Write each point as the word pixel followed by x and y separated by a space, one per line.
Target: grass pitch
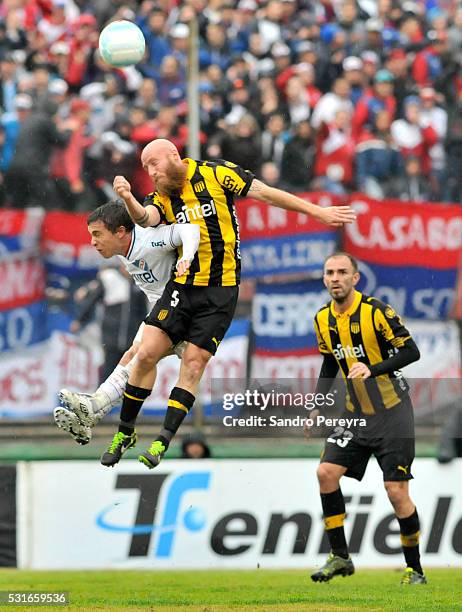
pixel 247 591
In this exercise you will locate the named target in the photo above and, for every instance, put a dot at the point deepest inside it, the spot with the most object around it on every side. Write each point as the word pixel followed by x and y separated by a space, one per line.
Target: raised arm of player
pixel 188 235
pixel 145 217
pixel 335 216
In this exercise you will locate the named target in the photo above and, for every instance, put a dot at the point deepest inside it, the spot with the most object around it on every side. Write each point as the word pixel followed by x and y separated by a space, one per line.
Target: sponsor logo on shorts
pixel 162 314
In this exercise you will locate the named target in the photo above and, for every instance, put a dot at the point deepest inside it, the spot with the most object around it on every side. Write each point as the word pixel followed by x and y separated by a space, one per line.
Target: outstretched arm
pixel 335 216
pixel 188 235
pixel 145 217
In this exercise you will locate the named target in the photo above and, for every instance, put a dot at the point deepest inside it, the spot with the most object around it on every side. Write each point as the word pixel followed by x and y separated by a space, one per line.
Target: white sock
pixel 114 385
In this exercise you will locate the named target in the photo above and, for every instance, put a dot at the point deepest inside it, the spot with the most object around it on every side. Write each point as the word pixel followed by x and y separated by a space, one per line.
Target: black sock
pixel 333 507
pixel 410 532
pixel 180 403
pixel 131 406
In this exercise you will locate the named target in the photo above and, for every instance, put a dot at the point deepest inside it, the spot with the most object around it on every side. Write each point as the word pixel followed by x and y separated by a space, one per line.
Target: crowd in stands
pixel 334 95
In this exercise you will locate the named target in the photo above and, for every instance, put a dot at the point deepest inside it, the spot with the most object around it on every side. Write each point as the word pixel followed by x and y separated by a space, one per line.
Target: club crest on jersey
pixel 355 328
pixel 390 313
pixel 141 264
pixel 162 314
pixel 200 186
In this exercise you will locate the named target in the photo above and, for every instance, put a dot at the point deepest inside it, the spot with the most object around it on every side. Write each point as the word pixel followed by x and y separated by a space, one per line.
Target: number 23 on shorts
pixel 341 437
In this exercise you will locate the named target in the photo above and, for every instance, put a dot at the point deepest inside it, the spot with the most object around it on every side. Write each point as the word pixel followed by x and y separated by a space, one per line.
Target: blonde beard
pixel 175 178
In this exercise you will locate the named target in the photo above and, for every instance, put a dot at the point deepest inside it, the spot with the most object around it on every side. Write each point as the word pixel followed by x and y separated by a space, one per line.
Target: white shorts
pixel 178 349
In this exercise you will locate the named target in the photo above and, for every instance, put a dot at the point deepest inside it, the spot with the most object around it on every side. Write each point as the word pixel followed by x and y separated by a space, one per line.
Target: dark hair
pixel 354 262
pixel 114 215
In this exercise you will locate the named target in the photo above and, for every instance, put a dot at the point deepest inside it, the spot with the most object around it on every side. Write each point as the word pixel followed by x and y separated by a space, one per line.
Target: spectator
pixel 297 103
pixel 241 143
pixel 379 98
pixel 11 124
pixel 414 185
pixel 413 134
pixel 335 155
pixel 153 24
pixel 297 164
pixel 331 103
pixel 8 82
pixel 28 180
pixel 270 174
pixel 194 446
pixel 215 49
pixel 378 160
pixel 147 98
pixel 454 155
pixel 436 117
pixel 273 139
pixel 353 72
pixel 67 165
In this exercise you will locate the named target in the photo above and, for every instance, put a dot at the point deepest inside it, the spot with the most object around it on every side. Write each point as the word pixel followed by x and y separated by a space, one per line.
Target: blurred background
pixel 351 101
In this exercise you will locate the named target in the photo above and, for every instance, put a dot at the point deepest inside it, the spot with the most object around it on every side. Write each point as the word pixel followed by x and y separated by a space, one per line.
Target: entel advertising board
pixel 221 514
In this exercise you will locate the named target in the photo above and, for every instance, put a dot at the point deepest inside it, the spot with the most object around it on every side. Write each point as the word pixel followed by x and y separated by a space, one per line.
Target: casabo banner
pixel 221 514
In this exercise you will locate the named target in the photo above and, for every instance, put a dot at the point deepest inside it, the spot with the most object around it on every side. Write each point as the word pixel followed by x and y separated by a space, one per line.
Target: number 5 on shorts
pixel 175 298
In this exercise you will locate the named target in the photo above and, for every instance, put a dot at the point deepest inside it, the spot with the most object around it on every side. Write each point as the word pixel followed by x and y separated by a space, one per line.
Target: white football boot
pixel 81 405
pixel 68 421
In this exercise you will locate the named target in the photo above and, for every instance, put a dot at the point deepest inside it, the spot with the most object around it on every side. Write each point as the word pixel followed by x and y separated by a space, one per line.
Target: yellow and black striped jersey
pixel 370 331
pixel 207 199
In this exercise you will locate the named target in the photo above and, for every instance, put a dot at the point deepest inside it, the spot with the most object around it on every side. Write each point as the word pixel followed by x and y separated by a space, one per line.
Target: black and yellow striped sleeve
pixel 389 325
pixel 232 178
pixel 151 200
pixel 322 345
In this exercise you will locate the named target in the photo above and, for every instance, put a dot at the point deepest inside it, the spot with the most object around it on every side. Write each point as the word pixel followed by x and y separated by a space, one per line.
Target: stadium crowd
pixel 334 95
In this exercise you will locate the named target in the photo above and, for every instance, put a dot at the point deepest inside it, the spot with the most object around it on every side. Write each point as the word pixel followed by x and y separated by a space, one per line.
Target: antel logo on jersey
pixel 237 532
pixel 200 211
pixel 343 352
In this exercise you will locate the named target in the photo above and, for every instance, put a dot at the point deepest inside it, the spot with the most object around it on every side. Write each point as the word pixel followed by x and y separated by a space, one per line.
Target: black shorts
pixel 200 315
pixel 389 436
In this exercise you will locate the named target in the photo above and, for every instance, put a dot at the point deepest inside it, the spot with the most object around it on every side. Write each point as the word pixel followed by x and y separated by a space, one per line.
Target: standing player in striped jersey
pixel 366 340
pixel 199 306
pixel 149 256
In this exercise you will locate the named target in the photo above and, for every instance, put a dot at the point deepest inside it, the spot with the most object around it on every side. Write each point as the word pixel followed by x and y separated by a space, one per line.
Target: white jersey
pixel 152 255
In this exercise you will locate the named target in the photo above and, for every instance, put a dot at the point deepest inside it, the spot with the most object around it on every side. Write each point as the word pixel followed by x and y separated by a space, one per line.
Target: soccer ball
pixel 121 43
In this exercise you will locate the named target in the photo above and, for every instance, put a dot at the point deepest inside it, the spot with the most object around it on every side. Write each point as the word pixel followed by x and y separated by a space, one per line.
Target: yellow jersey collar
pixel 351 309
pixel 191 167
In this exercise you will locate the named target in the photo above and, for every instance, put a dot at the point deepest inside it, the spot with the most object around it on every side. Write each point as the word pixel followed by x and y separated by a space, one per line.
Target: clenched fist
pixel 122 187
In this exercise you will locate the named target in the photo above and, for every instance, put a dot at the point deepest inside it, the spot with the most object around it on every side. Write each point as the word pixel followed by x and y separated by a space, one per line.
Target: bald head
pixel 159 147
pixel 161 160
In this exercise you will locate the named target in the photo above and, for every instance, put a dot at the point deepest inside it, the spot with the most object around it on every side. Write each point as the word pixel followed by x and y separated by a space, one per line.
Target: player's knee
pixel 194 363
pixel 129 354
pixel 397 492
pixel 147 356
pixel 327 476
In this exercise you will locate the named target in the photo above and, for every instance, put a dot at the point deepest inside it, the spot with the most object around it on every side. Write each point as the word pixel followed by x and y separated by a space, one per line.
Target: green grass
pixel 247 591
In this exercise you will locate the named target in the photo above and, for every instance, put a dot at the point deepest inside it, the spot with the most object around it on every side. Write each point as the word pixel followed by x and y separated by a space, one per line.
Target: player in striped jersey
pixel 198 307
pixel 366 340
pixel 149 256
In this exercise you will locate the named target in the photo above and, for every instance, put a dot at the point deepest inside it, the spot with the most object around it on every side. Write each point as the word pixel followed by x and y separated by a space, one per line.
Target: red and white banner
pixel 30 380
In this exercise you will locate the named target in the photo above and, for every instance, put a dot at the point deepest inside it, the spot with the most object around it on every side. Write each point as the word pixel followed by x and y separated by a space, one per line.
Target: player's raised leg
pixel 154 345
pixel 338 562
pixel 180 402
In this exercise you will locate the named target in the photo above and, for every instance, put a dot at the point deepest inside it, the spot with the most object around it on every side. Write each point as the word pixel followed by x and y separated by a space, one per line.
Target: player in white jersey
pixel 148 255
